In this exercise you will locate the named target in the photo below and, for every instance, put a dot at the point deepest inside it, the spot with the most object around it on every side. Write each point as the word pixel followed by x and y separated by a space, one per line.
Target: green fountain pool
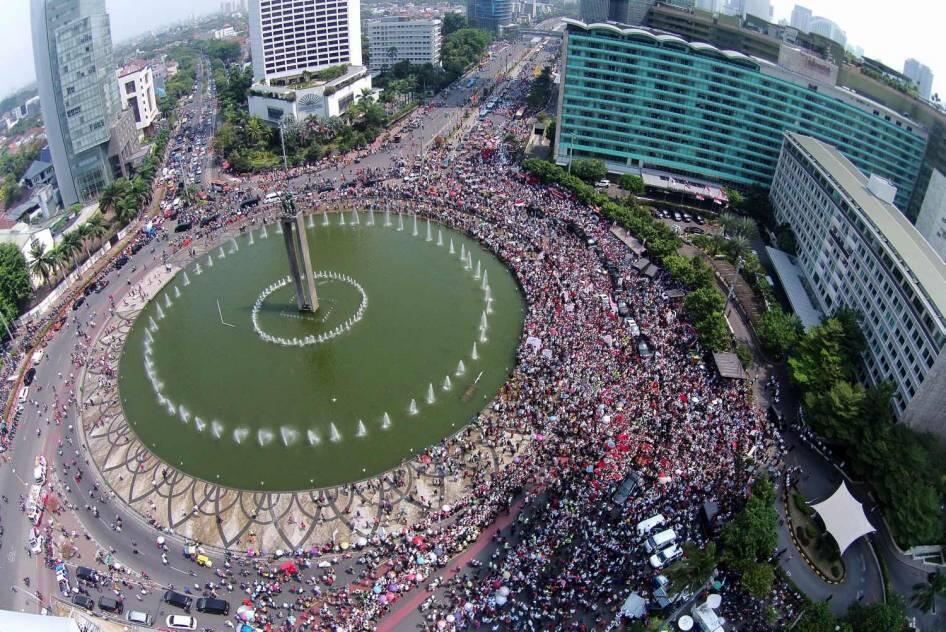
pixel 224 379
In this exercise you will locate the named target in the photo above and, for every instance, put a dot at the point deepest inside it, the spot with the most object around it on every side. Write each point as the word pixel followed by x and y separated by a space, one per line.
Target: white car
pixel 181 622
pixel 664 557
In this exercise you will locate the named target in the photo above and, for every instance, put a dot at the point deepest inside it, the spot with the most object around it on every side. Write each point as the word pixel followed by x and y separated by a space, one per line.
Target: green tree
pixel 817 617
pixel 452 22
pixel 836 412
pixel 925 593
pixel 779 331
pixel 589 170
pixel 550 130
pixel 541 89
pixel 757 579
pixel 822 357
pixel 752 534
pixel 786 240
pixel 878 617
pixel 703 303
pixel 632 183
pixel 735 197
pixel 14 280
pixel 42 261
pixel 692 571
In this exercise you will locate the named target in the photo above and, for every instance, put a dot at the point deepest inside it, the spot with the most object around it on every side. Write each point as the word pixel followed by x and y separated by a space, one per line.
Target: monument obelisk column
pixel 297 249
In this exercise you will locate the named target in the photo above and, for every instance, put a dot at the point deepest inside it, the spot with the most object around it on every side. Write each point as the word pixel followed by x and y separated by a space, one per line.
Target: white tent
pixel 635 606
pixel 843 517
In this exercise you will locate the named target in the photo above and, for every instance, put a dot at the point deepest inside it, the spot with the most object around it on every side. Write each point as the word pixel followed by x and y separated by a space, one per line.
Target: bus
pixel 520 112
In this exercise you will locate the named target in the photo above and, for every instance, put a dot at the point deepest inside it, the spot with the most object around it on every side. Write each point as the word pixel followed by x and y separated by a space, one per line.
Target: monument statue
pixel 297 249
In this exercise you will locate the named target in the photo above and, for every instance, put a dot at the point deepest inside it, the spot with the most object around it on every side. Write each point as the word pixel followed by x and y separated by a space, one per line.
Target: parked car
pixel 181 622
pixel 666 556
pixel 83 601
pixel 179 600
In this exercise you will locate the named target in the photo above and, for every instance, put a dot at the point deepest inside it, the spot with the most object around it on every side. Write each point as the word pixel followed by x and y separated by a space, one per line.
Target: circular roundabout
pixel 225 380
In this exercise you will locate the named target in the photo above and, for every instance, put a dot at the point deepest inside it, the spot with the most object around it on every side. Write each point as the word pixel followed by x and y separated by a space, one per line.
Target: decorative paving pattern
pixel 229 518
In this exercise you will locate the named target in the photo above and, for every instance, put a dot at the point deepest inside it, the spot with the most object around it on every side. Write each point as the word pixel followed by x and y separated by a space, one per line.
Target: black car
pixel 136 247
pixel 177 599
pixel 87 574
pixel 110 604
pixel 253 201
pixel 209 219
pixel 213 606
pixel 121 261
pixel 84 601
pixel 78 303
pixel 29 375
pixel 325 188
pixel 183 227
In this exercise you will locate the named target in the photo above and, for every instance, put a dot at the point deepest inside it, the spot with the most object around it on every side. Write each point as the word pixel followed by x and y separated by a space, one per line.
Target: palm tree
pixel 127 209
pixel 254 131
pixel 729 222
pixel 110 196
pixel 739 246
pixel 924 594
pixel 93 229
pixel 42 261
pixel 139 190
pixel 693 569
pixel 190 194
pixel 71 243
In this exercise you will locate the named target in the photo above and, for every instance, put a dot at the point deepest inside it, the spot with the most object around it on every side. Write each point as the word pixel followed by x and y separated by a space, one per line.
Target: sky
pixel 890 31
pixel 128 17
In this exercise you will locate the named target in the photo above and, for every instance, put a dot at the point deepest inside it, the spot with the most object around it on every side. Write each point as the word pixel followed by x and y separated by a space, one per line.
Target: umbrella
pixel 451 618
pixel 160 540
pixel 362 542
pixel 504 591
pixel 288 567
pixel 506 575
pixel 468 606
pixel 345 546
pixel 417 540
pixel 500 601
pixel 445 508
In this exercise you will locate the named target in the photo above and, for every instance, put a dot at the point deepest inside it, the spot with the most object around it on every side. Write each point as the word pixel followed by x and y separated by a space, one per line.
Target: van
pixel 177 599
pixel 87 575
pixel 24 394
pixel 110 604
pixel 136 616
pixel 663 539
pixel 271 197
pixel 646 526
pixel 664 557
pixel 213 606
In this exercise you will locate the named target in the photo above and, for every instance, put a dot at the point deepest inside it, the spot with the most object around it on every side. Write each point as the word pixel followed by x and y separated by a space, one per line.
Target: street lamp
pixel 732 284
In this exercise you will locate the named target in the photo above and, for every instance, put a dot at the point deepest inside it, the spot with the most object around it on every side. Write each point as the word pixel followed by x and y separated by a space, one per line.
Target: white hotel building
pixel 393 39
pixel 290 40
pixel 857 250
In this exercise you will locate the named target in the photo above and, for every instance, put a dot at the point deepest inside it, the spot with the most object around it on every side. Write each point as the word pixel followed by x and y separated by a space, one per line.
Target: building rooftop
pixel 36 167
pixel 927 270
pixel 132 67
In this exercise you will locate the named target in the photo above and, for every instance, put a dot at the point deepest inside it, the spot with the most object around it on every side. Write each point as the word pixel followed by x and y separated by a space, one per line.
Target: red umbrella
pixel 288 567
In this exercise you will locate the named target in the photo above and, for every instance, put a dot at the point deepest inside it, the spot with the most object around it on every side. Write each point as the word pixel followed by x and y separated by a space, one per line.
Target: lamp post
pixel 732 284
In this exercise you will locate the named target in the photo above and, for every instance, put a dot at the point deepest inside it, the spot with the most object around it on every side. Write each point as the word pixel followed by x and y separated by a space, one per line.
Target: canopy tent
pixel 843 517
pixel 729 365
pixel 635 606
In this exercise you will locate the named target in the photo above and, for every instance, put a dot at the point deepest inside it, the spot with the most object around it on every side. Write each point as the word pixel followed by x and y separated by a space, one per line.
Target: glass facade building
pixel 491 15
pixel 637 98
pixel 72 47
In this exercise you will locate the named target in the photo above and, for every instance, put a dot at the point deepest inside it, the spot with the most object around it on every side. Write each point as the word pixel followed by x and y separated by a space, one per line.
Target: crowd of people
pixel 596 412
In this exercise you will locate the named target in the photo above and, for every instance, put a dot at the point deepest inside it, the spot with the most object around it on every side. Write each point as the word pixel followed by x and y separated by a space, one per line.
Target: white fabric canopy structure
pixel 843 517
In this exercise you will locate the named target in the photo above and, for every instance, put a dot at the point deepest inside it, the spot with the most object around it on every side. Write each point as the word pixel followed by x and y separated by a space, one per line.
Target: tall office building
pixel 857 250
pixel 759 8
pixel 491 15
pixel 826 28
pixel 299 48
pixel 397 38
pixel 801 18
pixel 87 134
pixel 921 75
pixel 288 37
pixel 648 99
pixel 631 12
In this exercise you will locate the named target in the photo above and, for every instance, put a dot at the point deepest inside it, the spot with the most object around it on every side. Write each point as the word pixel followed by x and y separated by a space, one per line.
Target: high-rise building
pixel 136 84
pixel 593 11
pixel 710 6
pixel 288 37
pixel 931 221
pixel 396 38
pixel 306 58
pixel 759 8
pixel 801 18
pixel 75 75
pixel 856 250
pixel 491 15
pixel 826 28
pixel 921 75
pixel 646 99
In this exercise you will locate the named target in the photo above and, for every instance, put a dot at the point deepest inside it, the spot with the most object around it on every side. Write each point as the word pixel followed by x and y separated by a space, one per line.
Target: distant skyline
pixel 128 18
pixel 891 33
pixel 912 30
